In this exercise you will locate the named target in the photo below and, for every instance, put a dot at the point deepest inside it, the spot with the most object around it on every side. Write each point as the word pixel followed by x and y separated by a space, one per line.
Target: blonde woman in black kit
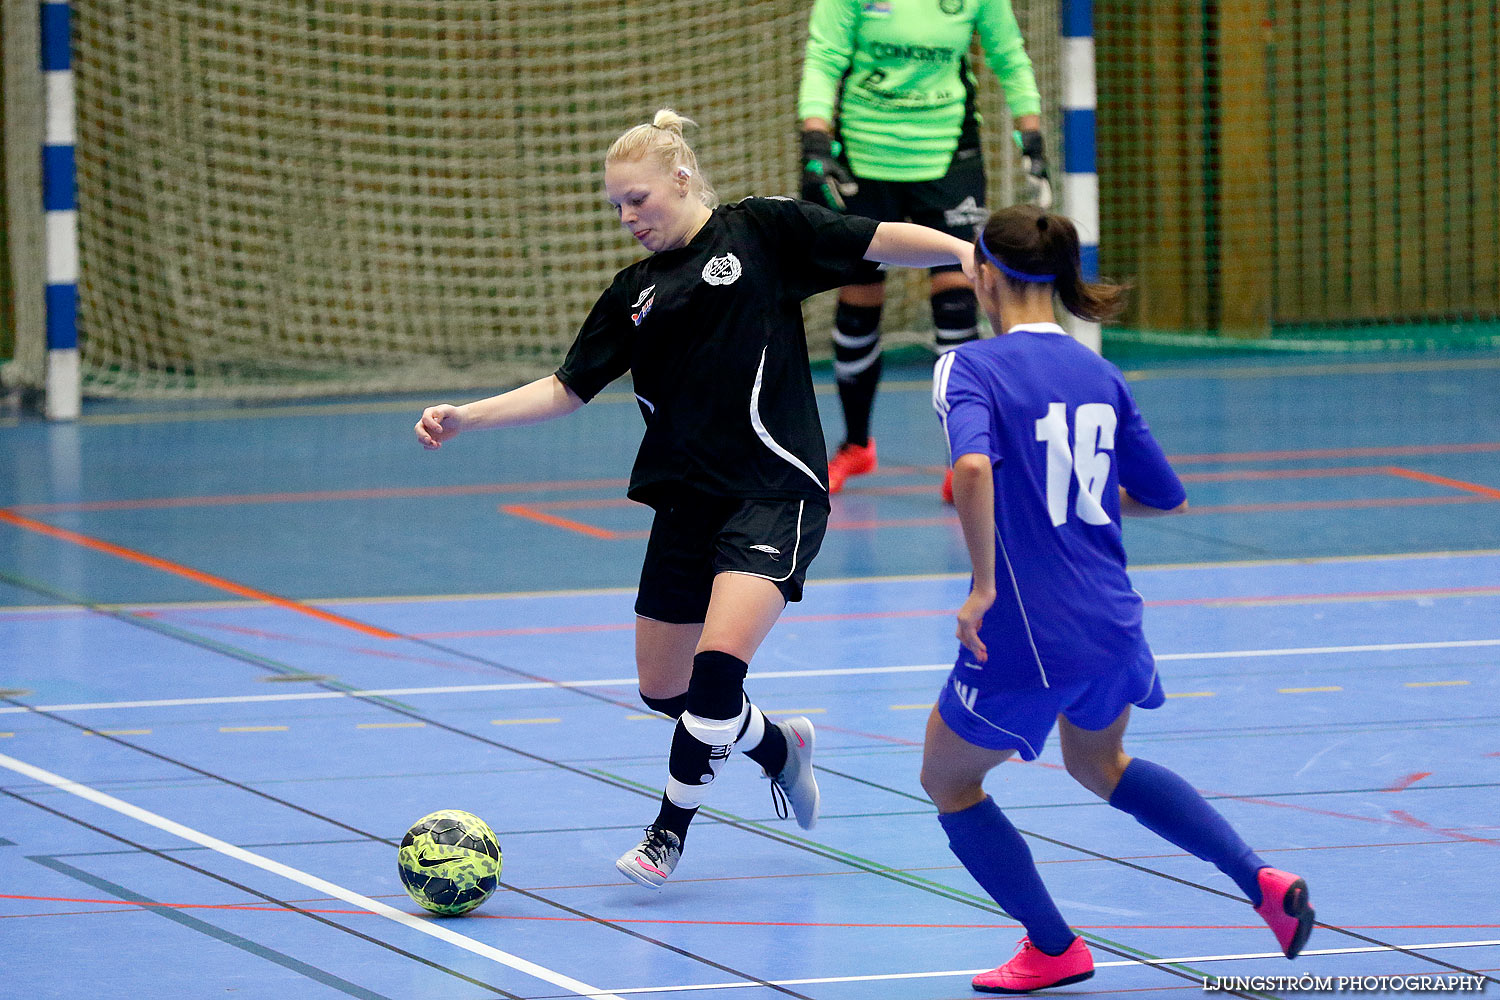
pixel 710 327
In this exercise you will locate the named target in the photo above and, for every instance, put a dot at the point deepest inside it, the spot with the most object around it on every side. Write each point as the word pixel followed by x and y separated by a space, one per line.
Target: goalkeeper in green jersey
pixel 890 130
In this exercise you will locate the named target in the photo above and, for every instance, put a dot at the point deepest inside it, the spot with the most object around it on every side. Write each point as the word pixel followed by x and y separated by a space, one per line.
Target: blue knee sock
pixel 997 857
pixel 1172 809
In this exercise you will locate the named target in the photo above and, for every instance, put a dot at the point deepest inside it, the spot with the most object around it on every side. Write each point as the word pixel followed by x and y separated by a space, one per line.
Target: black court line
pixel 211 930
pixel 61 814
pixel 1173 878
pixel 750 980
pixel 280 668
pixel 819 850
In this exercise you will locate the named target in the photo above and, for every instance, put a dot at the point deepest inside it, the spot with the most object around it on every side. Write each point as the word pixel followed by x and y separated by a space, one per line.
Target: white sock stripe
pixel 843 339
pixel 956 332
pixel 845 369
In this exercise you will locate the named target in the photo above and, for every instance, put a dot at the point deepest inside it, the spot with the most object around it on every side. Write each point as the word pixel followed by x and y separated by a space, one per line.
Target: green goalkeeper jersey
pixel 894 76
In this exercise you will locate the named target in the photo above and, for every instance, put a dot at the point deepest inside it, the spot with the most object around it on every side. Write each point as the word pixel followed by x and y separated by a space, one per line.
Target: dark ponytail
pixel 1041 247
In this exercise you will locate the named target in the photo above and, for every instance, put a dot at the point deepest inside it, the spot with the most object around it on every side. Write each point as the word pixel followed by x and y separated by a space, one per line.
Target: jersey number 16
pixel 1093 440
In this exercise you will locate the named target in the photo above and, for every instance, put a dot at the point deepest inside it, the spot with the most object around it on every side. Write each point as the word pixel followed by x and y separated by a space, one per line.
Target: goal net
pixel 283 200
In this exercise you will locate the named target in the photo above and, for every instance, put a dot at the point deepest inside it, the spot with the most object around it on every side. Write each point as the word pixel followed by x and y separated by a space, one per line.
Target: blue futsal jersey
pixel 1063 433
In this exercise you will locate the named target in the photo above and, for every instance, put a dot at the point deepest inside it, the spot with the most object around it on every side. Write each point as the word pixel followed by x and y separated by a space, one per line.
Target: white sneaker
pixel 796 782
pixel 653 859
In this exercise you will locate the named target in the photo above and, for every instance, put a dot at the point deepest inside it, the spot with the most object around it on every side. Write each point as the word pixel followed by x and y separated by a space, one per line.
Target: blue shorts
pixel 1020 718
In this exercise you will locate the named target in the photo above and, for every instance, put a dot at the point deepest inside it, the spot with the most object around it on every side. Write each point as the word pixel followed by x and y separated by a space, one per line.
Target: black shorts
pixel 954 203
pixel 697 536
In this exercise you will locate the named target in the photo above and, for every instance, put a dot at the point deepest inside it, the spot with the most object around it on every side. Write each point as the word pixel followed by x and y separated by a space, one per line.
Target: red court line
pixel 1361 504
pixel 1351 595
pixel 229 499
pixel 391 493
pixel 267 908
pixel 1386 451
pixel 532 514
pixel 1320 472
pixel 1408 781
pixel 622 626
pixel 1457 484
pixel 1231 601
pixel 188 573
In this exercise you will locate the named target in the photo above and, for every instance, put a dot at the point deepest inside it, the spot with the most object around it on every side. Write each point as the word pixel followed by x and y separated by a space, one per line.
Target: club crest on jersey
pixel 951 6
pixel 643 305
pixel 725 270
pixel 876 8
pixel 966 213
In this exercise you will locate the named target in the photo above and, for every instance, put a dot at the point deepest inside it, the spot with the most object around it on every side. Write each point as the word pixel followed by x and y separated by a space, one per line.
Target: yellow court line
pixel 390 725
pixel 1433 684
pixel 519 722
pixel 1190 694
pixel 1313 690
pixel 794 711
pixel 252 729
pixel 647 715
pixel 902 708
pixel 6 736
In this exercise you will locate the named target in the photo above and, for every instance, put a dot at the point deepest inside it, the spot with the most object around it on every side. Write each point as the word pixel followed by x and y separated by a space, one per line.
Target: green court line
pixel 914 881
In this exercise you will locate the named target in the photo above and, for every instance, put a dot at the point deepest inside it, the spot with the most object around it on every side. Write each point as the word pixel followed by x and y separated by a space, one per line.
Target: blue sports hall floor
pixel 243 648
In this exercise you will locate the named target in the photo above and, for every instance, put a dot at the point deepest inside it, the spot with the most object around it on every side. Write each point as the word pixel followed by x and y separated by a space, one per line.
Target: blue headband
pixel 1018 275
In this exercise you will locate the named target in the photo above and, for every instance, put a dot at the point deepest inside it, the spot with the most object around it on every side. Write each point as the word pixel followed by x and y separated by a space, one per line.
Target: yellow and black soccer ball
pixel 449 862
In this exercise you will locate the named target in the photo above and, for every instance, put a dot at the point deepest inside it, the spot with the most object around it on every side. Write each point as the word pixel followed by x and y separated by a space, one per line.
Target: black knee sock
pixel 704 735
pixel 856 365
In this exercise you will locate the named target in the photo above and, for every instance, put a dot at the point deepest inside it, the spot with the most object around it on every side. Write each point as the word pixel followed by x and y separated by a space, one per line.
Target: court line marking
pixel 760 675
pixel 17 610
pixel 303 878
pixel 187 572
pixel 1435 946
pixel 542 486
pixel 1457 484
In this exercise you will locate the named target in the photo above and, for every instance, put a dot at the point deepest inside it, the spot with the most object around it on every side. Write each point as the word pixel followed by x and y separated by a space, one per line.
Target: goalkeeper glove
pixel 1034 161
pixel 825 180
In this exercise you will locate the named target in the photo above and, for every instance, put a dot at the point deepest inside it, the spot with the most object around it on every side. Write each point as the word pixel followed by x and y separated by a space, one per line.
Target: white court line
pixel 759 674
pixel 956 973
pixel 312 882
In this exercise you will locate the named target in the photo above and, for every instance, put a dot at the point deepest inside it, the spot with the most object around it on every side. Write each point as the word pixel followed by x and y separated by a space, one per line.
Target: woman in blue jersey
pixel 1048 451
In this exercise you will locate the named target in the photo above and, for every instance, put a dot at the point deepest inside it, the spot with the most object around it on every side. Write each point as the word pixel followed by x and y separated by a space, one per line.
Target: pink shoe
pixel 849 461
pixel 1034 969
pixel 1285 909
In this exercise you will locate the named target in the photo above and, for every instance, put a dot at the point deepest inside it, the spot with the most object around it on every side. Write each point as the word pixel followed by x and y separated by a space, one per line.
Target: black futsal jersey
pixel 712 333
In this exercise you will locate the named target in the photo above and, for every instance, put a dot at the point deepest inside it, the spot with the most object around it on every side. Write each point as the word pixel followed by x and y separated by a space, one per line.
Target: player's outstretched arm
pixel 906 244
pixel 532 403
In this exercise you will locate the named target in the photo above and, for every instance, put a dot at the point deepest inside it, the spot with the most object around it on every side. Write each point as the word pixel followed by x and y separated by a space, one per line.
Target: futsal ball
pixel 449 862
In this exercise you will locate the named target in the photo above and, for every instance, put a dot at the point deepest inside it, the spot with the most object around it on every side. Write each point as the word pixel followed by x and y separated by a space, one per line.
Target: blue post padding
pixel 59 183
pixel 62 316
pixel 1077 18
pixel 57 37
pixel 1088 261
pixel 1078 141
